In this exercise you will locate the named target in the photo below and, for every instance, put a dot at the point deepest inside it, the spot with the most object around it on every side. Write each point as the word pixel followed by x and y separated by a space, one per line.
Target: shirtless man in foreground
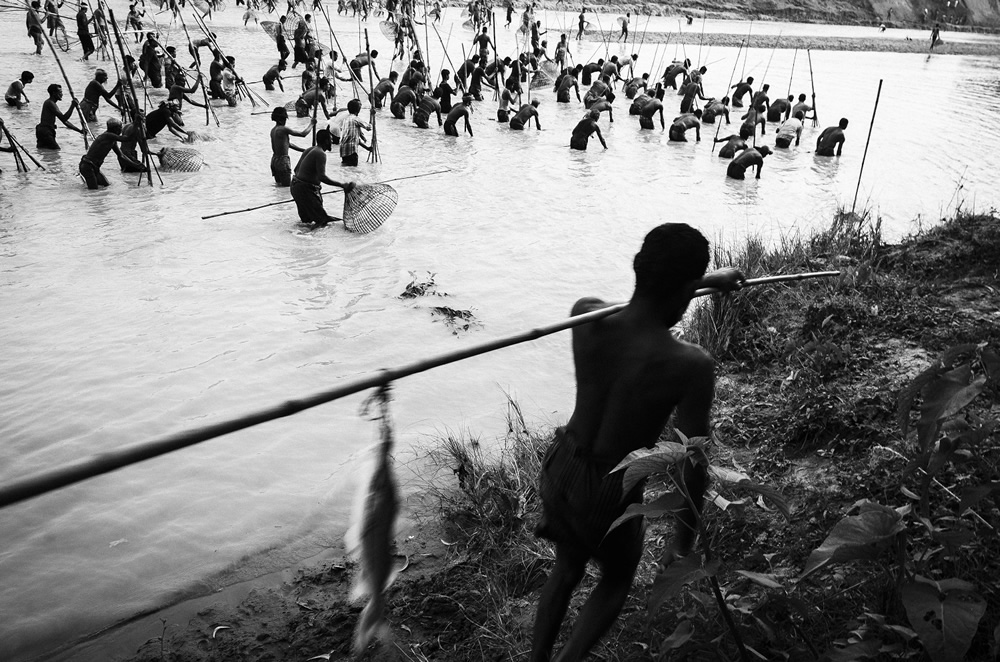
pixel 310 173
pixel 281 165
pixel 632 374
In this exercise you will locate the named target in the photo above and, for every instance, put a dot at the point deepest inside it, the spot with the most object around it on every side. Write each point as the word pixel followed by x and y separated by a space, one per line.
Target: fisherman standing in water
pixel 632 375
pixel 746 160
pixel 457 113
pixel 90 164
pixel 281 164
pixel 310 174
pixel 45 131
pixel 581 135
pixel 524 115
pixel 832 136
pixel 741 88
pixel 92 95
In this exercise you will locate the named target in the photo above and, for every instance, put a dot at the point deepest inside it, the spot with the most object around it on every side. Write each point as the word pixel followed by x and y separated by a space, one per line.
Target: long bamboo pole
pixel 141 135
pixel 96 465
pixel 865 156
pixel 812 84
pixel 84 127
pixel 209 111
pixel 338 190
pixel 373 156
pixel 731 76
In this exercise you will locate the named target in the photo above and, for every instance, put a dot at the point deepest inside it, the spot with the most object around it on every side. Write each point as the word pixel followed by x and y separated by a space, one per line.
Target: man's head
pixel 467 99
pixel 55 91
pixel 843 122
pixel 725 101
pixel 673 257
pixel 802 98
pixel 27 77
pixel 393 75
pixel 324 139
pixel 595 115
pixel 279 114
pixel 282 65
pixel 114 125
pixel 764 150
pixel 535 102
pixel 697 113
pixel 101 75
pixel 374 54
pixel 354 106
pixel 445 74
pixel 749 79
pixel 800 115
pixel 765 87
pixel 745 132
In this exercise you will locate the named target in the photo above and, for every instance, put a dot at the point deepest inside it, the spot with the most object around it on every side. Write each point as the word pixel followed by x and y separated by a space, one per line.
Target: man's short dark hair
pixel 53 88
pixel 843 122
pixel 354 106
pixel 672 254
pixel 324 134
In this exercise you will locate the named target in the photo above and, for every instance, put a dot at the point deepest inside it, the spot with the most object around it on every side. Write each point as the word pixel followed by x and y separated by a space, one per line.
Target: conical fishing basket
pixel 388 29
pixel 468 25
pixel 290 106
pixel 540 80
pixel 181 159
pixel 551 68
pixel 367 206
pixel 271 28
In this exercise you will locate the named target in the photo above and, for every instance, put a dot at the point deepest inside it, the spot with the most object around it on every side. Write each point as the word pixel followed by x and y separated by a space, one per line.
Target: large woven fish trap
pixel 181 159
pixel 367 206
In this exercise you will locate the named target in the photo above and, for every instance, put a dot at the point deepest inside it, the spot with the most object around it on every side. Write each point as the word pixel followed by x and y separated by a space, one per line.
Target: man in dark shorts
pixel 566 83
pixel 832 136
pixel 648 111
pixel 279 39
pixel 92 95
pixel 583 130
pixel 385 88
pixel 281 165
pixel 790 129
pixel 425 107
pixel 15 96
pixel 90 164
pixel 780 109
pixel 310 174
pixel 34 25
pixel 632 374
pixel 457 113
pixel 524 115
pixel 682 123
pixel 83 31
pixel 746 160
pixel 45 131
pixel 405 96
pixel 165 117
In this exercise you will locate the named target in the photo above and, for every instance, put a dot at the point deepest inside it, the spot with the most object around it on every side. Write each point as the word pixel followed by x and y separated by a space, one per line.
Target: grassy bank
pixel 869 402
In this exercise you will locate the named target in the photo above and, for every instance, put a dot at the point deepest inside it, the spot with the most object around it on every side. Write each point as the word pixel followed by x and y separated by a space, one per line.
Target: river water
pixel 128 317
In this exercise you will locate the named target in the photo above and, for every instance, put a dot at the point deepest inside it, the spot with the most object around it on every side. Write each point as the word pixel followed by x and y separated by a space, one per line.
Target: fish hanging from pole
pixel 370 537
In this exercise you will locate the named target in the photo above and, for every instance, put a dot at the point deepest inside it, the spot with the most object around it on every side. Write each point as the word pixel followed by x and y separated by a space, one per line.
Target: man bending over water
pixel 832 136
pixel 632 374
pixel 281 165
pixel 310 173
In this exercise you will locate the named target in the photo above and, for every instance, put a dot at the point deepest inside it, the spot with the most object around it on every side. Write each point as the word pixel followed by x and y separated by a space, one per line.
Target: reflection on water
pixel 133 318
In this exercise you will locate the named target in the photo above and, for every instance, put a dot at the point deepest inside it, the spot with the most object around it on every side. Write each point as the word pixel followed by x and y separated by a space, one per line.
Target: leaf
pixel 945 615
pixel 679 636
pixel 767 581
pixel 723 475
pixel 661 505
pixel 991 361
pixel 909 394
pixel 645 462
pixel 950 393
pixel 861 536
pixel 773 496
pixel 862 650
pixel 668 584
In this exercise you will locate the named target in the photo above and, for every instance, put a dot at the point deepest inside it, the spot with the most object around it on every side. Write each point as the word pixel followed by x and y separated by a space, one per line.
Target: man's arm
pixel 304 132
pixel 468 127
pixel 132 162
pixel 840 145
pixel 600 136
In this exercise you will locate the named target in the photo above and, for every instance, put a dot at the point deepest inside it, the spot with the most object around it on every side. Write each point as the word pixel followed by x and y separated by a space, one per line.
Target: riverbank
pixel 916 44
pixel 810 377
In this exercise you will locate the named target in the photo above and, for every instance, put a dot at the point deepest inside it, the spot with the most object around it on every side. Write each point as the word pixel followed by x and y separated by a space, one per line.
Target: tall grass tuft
pixel 735 327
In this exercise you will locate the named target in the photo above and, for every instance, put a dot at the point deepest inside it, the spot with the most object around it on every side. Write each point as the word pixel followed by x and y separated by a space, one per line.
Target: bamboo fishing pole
pixel 209 111
pixel 704 18
pixel 791 75
pixel 812 84
pixel 373 150
pixel 18 159
pixel 865 156
pixel 719 119
pixel 76 471
pixel 336 190
pixel 141 133
pixel 84 127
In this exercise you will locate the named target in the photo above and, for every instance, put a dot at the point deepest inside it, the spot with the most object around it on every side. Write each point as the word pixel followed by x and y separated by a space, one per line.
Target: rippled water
pixel 128 317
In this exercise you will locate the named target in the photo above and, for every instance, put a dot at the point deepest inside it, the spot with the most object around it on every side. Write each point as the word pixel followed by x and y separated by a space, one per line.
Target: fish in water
pixel 369 541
